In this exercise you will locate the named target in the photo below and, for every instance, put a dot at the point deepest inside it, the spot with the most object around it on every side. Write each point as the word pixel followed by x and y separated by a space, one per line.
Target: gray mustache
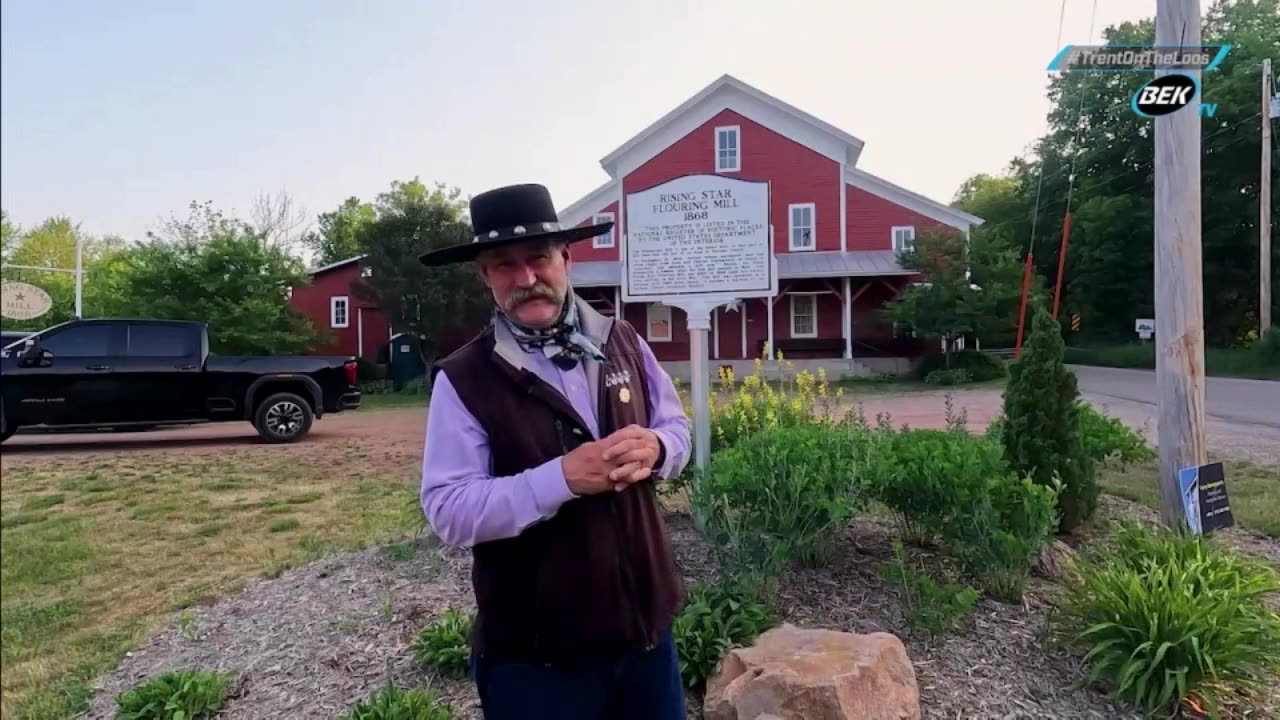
pixel 539 291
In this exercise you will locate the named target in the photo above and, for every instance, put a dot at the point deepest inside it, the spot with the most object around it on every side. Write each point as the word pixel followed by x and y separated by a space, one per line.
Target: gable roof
pixel 591 203
pixel 333 266
pixel 728 92
pixel 903 197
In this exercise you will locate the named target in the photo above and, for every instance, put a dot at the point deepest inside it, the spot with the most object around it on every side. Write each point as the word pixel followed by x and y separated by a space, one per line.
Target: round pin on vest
pixel 624 394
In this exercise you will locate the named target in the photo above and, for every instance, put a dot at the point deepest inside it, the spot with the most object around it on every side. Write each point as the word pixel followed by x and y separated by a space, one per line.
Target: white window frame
pixel 893 237
pixel 333 311
pixel 605 240
pixel 649 318
pixel 810 298
pixel 737 149
pixel 813 228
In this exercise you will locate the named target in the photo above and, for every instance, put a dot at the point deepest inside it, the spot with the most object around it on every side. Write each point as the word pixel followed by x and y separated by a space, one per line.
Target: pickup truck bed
pixel 131 373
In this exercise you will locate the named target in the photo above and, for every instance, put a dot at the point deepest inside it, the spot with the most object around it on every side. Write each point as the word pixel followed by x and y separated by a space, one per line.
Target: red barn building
pixel 357 327
pixel 836 231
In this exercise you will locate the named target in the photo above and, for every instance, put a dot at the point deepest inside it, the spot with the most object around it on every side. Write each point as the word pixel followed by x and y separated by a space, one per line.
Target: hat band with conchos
pixel 517 231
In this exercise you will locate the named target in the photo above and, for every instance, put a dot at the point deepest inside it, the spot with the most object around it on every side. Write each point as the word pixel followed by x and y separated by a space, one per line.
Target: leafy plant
pixel 927 477
pixel 445 644
pixel 1040 431
pixel 980 366
pixel 175 695
pixel 958 376
pixel 393 703
pixel 779 499
pixel 1169 619
pixel 754 404
pixel 1000 538
pixel 931 608
pixel 713 621
pixel 1105 439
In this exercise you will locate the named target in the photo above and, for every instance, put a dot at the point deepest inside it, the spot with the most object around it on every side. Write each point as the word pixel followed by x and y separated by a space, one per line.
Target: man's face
pixel 528 280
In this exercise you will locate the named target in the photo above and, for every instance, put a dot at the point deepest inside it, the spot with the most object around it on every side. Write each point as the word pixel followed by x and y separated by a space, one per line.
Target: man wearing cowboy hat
pixel 545 437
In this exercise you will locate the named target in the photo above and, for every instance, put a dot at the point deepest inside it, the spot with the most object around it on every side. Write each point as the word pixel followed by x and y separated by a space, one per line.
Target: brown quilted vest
pixel 599 576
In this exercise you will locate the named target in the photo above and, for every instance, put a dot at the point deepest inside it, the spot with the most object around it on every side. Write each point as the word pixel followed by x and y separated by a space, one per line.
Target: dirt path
pixel 394 432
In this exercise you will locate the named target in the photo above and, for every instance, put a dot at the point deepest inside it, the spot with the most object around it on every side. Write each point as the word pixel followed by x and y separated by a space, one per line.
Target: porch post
pixel 743 308
pixel 617 302
pixel 848 321
pixel 715 333
pixel 768 303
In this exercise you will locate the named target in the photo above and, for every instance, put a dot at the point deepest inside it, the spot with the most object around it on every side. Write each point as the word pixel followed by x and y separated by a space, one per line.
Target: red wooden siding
pixel 871 220
pixel 585 250
pixel 796 173
pixel 313 302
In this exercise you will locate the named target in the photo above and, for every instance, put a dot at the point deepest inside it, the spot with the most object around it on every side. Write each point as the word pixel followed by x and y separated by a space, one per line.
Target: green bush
pixel 931 608
pixel 1040 430
pixel 980 366
pixel 1166 618
pixel 176 695
pixel 948 377
pixel 393 703
pixel 779 499
pixel 1106 439
pixel 445 644
pixel 928 477
pixel 713 621
pixel 1000 538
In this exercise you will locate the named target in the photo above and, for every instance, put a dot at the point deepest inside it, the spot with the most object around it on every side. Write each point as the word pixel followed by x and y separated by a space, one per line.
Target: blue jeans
pixel 640 685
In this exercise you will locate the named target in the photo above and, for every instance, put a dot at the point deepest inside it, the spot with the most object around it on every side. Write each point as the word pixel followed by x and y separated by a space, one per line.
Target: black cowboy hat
pixel 509 215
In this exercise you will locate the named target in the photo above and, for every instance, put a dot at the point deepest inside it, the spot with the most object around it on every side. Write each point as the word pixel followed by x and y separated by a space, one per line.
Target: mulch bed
pixel 314 641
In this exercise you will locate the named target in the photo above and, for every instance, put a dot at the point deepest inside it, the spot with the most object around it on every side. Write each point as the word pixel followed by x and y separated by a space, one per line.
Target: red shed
pixel 358 327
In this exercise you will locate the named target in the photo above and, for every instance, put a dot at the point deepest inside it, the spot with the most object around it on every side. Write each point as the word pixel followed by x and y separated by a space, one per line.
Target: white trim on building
pixel 339 319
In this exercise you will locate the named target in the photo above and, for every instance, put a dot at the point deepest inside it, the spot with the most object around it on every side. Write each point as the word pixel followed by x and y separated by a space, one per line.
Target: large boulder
pixel 794 673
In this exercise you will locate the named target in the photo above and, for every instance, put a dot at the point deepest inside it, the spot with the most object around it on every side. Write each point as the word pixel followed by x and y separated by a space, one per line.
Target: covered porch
pixel 828 313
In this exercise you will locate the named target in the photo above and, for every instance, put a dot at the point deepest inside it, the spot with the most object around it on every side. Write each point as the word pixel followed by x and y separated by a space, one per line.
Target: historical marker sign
pixel 23 301
pixel 1204 498
pixel 698 235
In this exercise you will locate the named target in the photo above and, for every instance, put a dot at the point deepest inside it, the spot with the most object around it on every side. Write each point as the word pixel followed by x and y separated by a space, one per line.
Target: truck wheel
pixel 283 418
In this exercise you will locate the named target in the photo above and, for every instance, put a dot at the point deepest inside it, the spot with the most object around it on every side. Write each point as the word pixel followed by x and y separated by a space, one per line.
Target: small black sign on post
pixel 1204 498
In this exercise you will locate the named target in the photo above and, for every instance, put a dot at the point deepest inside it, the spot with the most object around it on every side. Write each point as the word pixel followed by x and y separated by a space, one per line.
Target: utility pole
pixel 1179 303
pixel 1264 209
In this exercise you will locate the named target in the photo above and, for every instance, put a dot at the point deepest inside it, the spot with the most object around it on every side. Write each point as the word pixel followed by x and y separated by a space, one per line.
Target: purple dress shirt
pixel 467 505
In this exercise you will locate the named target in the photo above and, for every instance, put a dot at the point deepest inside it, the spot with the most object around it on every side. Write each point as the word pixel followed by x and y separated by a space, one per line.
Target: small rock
pixel 1056 563
pixel 794 673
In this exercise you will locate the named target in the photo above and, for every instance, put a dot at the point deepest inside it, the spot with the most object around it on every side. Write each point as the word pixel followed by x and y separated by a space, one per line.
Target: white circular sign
pixel 23 301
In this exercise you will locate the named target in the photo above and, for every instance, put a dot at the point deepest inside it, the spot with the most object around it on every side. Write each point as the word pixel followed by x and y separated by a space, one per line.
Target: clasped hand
pixel 611 463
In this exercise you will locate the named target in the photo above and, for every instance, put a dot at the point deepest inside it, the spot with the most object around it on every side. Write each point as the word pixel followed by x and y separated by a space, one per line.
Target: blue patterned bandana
pixel 563 342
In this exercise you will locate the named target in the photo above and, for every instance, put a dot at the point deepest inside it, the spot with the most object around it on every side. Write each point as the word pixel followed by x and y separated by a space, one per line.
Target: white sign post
pixel 697 242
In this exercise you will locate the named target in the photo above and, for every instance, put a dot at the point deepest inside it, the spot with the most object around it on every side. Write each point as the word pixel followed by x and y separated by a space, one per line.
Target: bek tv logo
pixel 1167 95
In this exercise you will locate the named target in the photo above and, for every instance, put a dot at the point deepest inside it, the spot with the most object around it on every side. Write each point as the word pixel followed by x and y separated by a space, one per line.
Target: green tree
pixel 956 296
pixel 215 268
pixel 341 232
pixel 1101 154
pixel 1040 428
pixel 441 306
pixel 52 244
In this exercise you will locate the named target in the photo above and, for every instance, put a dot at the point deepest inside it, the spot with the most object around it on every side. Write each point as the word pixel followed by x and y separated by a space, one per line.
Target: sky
pixel 120 114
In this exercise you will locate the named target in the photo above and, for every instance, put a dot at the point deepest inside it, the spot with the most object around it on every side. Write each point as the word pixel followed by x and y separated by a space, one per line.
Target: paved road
pixel 1242 416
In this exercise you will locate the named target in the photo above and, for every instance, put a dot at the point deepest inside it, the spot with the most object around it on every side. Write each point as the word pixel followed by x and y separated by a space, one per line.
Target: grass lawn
pixel 391 401
pixel 1254 491
pixel 95 550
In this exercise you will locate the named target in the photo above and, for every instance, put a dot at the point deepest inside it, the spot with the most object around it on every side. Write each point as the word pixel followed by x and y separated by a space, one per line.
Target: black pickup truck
pixel 90 374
